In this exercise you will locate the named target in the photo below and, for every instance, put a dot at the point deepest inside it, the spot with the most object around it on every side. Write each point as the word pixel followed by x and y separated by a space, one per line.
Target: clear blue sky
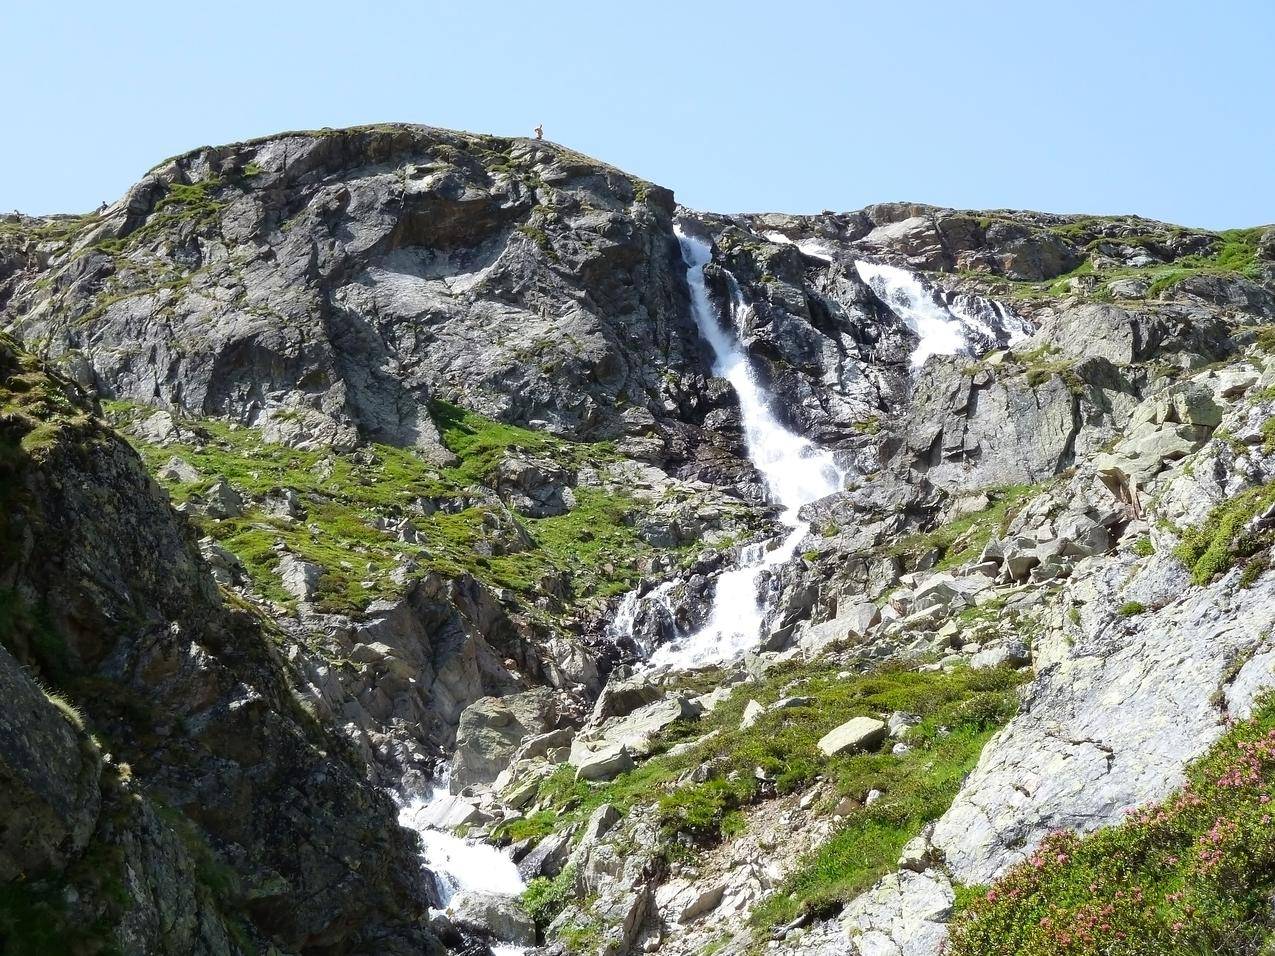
pixel 1165 109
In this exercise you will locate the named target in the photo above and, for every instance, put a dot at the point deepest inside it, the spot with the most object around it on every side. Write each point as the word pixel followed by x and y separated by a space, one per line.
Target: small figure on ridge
pixel 540 131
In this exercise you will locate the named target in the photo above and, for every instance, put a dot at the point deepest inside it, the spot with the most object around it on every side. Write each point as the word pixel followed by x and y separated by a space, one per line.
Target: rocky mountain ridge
pixel 441 458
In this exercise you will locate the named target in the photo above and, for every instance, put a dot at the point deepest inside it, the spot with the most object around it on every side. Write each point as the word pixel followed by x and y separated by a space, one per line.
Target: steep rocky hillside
pixel 156 754
pixel 418 541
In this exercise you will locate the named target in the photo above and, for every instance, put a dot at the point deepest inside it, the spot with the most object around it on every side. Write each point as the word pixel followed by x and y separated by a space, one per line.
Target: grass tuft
pixel 1227 535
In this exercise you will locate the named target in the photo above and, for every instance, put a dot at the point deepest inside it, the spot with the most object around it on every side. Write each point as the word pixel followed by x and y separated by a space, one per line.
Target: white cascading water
pixel 622 625
pixel 940 329
pixel 459 865
pixel 811 247
pixel 795 470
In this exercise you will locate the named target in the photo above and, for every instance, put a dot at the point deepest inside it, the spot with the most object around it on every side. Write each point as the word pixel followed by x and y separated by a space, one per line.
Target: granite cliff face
pixel 335 461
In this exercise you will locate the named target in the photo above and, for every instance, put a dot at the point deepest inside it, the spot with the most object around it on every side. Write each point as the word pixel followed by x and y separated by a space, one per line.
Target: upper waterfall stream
pixel 796 472
pixel 941 328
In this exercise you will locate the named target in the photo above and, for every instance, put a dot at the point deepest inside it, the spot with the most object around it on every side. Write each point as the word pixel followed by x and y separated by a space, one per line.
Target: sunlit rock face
pixel 528 561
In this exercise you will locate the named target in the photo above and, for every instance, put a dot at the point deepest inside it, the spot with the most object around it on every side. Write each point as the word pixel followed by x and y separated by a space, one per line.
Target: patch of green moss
pixel 196 203
pixel 537 825
pixel 1044 363
pixel 1254 568
pixel 538 236
pixel 37 920
pixel 480 443
pixel 1268 435
pixel 1225 537
pixel 1131 609
pixel 1264 341
pixel 917 787
pixel 28 633
pixel 1143 547
pixel 594 546
pixel 1166 280
pixel 582 938
pixel 1233 252
pixel 210 870
pixel 51 229
pixel 962 539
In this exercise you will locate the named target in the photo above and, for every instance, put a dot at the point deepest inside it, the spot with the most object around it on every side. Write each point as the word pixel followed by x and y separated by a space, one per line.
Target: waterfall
pixel 942 329
pixel 795 470
pixel 459 865
pixel 626 615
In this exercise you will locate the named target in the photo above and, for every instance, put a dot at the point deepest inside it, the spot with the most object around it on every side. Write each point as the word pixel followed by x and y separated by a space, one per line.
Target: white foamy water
pixel 939 332
pixel 622 625
pixel 796 472
pixel 460 865
pixel 956 329
pixel 811 247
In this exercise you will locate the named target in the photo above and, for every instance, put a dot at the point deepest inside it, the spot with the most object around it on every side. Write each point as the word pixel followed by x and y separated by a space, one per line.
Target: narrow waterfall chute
pixel 942 328
pixel 795 470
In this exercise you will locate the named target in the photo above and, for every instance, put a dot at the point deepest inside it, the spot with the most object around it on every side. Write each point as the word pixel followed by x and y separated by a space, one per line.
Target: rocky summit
pixel 418 542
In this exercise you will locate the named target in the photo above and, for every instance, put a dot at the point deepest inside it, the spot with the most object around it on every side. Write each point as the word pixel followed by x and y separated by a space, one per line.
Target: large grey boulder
pixel 621 698
pixel 1019 557
pixel 1082 536
pixel 223 501
pixel 535 487
pixel 548 856
pixel 853 621
pixel 299 577
pixel 491 915
pixel 449 812
pixel 491 729
pixel 178 469
pixel 858 733
pixel 1116 718
pixel 938 591
pixel 637 731
pixel 603 763
pixel 1009 654
pixel 225 566
pixel 904 914
pixel 542 746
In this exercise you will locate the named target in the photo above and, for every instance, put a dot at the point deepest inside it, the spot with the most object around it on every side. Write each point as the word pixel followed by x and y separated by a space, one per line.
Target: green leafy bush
pixel 546 897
